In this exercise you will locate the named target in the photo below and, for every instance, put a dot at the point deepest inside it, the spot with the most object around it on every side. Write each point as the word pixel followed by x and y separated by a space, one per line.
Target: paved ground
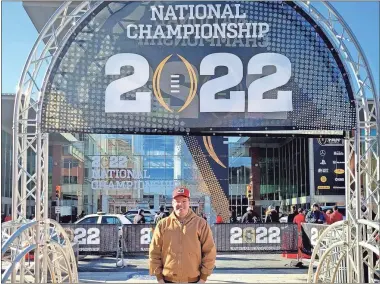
pixel 139 263
pixel 229 269
pixel 253 276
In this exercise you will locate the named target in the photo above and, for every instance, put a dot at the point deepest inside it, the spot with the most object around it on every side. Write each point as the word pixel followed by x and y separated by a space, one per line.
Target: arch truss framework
pixel 361 150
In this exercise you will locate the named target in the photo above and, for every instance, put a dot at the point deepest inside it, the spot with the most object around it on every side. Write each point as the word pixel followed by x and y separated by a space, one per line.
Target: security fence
pixel 136 238
pixel 309 235
pixel 94 238
pixel 257 238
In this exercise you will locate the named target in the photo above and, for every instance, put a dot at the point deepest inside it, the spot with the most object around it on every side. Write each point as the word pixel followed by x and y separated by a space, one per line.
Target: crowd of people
pixel 315 215
pixel 271 216
pixel 140 218
pixel 297 215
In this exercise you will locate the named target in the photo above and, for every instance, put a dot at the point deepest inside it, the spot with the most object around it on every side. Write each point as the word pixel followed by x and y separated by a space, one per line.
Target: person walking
pixel 159 215
pixel 299 219
pixel 139 218
pixel 182 248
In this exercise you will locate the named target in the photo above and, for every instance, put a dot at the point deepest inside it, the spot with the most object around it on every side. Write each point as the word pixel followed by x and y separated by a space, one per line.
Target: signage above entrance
pixel 191 67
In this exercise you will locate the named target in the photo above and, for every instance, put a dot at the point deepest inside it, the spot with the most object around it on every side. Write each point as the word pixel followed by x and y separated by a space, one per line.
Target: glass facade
pixel 116 173
pixel 284 171
pixel 127 171
pixel 293 161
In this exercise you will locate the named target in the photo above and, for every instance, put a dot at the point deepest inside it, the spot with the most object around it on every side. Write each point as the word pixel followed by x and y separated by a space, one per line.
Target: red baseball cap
pixel 181 191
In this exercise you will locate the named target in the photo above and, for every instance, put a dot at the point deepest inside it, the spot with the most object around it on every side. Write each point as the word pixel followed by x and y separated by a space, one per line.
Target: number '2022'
pixel 208 90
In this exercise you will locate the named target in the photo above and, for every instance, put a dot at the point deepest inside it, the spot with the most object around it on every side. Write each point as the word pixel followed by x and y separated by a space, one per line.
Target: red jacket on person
pixel 298 219
pixel 335 217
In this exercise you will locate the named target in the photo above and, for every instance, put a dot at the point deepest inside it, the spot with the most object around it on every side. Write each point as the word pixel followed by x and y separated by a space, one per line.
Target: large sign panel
pixel 329 166
pixel 177 67
pixel 260 238
pixel 93 238
pixel 309 235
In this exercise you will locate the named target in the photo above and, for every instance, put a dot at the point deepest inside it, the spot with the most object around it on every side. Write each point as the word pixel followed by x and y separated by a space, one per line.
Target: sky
pixel 18 36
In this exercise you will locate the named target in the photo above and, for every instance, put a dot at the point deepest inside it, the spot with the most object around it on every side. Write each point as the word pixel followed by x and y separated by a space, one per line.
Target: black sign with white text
pixel 93 238
pixel 137 237
pixel 310 234
pixel 193 67
pixel 329 166
pixel 260 238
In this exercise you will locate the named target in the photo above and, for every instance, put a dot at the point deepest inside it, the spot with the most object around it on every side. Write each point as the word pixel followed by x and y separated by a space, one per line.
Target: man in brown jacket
pixel 182 247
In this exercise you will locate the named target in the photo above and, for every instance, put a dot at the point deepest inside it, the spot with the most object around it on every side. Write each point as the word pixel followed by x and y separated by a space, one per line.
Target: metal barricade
pixel 255 237
pixel 94 239
pixel 235 238
pixel 137 238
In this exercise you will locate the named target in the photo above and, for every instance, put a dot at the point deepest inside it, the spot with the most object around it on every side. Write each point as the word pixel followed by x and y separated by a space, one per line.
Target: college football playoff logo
pixel 210 149
pixel 175 83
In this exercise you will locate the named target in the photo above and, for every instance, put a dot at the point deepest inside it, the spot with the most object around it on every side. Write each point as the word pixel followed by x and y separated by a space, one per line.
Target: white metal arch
pixel 59 258
pixel 361 146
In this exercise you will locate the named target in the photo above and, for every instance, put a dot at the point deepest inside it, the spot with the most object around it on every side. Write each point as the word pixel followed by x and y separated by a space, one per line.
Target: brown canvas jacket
pixel 182 252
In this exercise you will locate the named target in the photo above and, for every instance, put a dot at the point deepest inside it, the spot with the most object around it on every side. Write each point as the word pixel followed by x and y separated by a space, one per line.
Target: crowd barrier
pixel 94 238
pixel 136 238
pixel 309 236
pixel 257 238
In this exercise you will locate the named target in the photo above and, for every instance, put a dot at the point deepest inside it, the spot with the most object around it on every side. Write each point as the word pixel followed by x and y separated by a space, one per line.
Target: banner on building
pixel 94 238
pixel 310 234
pixel 184 67
pixel 258 238
pixel 329 166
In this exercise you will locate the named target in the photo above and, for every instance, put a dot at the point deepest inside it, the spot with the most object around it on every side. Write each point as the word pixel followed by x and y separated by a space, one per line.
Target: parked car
pixel 103 218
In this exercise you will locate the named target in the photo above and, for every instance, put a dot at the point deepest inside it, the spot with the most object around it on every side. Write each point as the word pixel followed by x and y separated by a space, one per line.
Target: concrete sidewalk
pixel 140 263
pixel 242 268
pixel 226 276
